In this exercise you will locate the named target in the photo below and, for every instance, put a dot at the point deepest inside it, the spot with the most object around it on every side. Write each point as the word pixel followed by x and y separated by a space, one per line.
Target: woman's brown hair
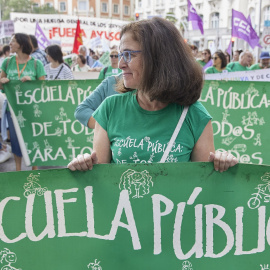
pixel 170 72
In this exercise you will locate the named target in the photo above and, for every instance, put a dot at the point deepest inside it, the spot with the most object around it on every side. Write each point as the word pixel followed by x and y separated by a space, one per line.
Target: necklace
pixel 18 69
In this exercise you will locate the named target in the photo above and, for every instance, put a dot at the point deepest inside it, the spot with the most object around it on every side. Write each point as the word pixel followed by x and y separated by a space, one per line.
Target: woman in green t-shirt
pixel 219 63
pixel 24 68
pixel 161 83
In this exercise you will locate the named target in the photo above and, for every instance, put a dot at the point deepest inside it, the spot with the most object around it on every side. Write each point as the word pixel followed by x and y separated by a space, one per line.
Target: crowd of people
pixel 221 61
pixel 143 81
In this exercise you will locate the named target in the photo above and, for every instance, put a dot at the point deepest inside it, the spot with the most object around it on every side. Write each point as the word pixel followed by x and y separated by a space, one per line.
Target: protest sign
pixel 156 216
pixel 239 110
pixel 6 29
pixel 48 133
pixel 262 75
pixel 62 28
pixel 241 118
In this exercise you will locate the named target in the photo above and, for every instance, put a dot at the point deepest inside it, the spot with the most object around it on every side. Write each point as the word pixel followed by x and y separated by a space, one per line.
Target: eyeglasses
pixel 215 58
pixel 114 56
pixel 126 55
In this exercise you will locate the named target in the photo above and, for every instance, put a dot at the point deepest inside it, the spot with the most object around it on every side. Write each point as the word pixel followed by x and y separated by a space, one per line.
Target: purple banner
pixel 208 64
pixel 194 18
pixel 242 28
pixel 43 42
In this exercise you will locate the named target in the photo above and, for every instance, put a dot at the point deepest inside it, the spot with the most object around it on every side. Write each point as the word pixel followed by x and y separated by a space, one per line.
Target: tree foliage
pixel 171 17
pixel 23 6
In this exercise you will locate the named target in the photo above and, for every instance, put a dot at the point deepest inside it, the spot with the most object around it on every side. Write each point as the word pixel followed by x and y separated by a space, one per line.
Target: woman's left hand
pixel 25 78
pixel 222 160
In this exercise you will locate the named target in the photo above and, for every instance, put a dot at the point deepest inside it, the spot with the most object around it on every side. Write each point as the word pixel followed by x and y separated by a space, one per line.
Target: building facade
pixel 216 16
pixel 109 9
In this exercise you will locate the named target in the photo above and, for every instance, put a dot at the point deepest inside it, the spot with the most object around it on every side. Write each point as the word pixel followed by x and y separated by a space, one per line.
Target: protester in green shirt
pixel 245 60
pixel 219 63
pixel 24 68
pixel 206 57
pixel 264 62
pixel 137 126
pixel 113 68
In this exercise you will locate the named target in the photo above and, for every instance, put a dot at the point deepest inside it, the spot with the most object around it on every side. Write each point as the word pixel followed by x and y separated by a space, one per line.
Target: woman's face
pixel 132 71
pixel 14 45
pixel 206 56
pixel 216 60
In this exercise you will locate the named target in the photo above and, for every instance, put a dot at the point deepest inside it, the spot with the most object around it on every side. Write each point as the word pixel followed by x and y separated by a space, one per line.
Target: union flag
pixel 78 38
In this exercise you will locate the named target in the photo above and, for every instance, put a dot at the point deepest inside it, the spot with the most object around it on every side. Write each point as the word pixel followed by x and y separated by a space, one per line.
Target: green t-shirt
pixel 202 63
pixel 236 66
pixel 30 70
pixel 140 136
pixel 255 67
pixel 110 71
pixel 212 70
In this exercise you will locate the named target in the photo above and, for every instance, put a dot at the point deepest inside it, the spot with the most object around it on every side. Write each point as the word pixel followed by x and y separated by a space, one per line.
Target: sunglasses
pixel 114 56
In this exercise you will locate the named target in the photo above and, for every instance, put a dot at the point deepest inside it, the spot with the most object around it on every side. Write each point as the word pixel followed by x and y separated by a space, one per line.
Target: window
pixel 49 4
pixel 139 3
pixel 104 7
pixel 115 9
pixel 215 20
pixel 126 10
pixel 82 5
pixel 62 6
pixel 267 13
pixel 35 5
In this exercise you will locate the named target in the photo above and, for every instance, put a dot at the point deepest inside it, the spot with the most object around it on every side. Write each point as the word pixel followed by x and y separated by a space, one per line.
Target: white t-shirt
pixel 85 68
pixel 64 74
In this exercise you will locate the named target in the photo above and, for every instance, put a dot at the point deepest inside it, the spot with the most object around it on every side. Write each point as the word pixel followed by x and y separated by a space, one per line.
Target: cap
pixel 265 55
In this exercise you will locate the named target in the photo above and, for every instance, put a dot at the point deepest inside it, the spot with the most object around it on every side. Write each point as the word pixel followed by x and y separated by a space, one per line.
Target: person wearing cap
pixel 264 62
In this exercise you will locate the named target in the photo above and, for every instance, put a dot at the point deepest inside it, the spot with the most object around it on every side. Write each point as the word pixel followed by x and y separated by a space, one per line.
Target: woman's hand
pixel 4 80
pixel 83 162
pixel 222 160
pixel 25 78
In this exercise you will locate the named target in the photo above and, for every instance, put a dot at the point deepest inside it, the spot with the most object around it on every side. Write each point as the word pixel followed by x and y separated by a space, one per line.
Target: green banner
pixel 52 137
pixel 157 216
pixel 48 133
pixel 241 118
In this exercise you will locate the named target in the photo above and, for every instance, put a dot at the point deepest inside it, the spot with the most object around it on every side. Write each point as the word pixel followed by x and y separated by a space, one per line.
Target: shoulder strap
pixel 8 60
pixel 175 133
pixel 105 70
pixel 59 72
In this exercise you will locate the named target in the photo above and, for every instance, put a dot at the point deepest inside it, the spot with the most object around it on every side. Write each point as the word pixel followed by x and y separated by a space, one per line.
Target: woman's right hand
pixel 4 80
pixel 83 162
